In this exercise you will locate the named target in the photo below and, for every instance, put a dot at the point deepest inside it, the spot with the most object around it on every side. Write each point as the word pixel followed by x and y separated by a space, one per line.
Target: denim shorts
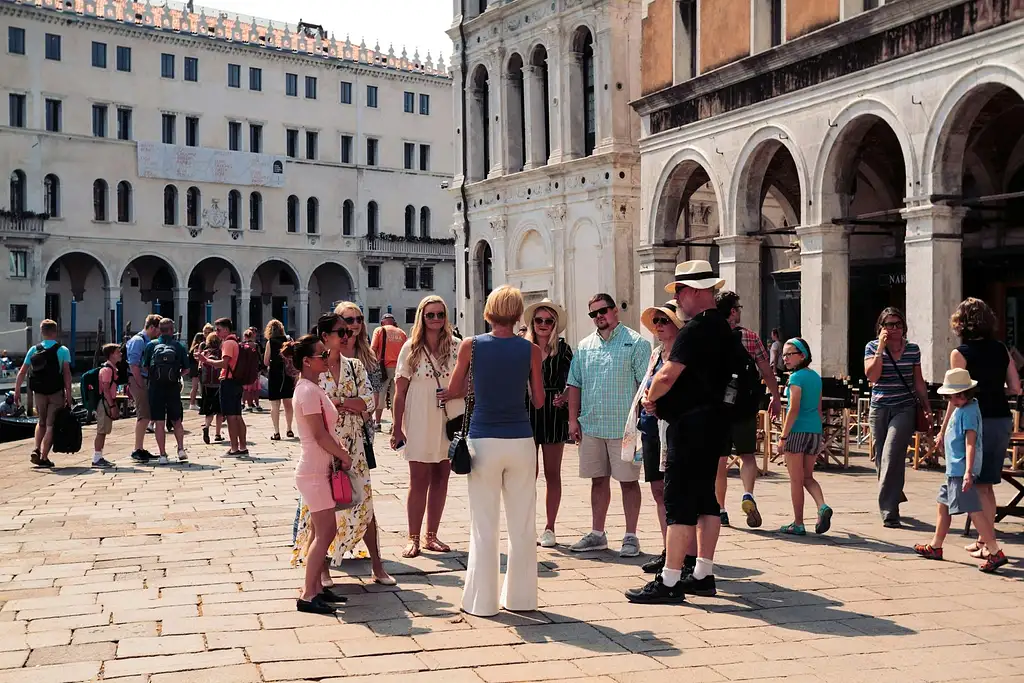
pixel 953 496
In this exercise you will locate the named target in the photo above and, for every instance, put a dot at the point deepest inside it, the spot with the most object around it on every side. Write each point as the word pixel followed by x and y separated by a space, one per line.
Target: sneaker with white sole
pixel 592 541
pixel 182 455
pixel 630 546
pixel 163 460
pixel 547 539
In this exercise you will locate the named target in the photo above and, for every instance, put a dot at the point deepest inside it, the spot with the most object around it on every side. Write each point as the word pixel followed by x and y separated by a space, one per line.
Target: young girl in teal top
pixel 802 436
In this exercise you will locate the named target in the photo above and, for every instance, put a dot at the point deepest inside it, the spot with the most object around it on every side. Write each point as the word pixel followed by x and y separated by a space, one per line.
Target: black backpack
pixel 124 371
pixel 47 377
pixel 750 391
pixel 164 364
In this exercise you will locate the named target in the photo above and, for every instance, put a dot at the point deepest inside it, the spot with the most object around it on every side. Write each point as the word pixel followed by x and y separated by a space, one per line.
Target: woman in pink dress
pixel 314 411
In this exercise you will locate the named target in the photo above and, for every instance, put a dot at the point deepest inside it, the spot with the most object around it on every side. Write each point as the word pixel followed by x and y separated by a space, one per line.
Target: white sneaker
pixel 194 407
pixel 182 455
pixel 630 546
pixel 162 461
pixel 547 539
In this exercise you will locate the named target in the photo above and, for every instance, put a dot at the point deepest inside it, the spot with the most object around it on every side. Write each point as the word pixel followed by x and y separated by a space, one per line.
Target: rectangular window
pixel 346 149
pixel 424 157
pixel 346 92
pixel 99 55
pixel 19 263
pixel 168 128
pixel 312 142
pixel 19 313
pixel 427 277
pixel 124 58
pixel 310 87
pixel 192 69
pixel 53 47
pixel 870 4
pixel 124 123
pixel 410 277
pixel 17 110
pixel 371 152
pixel 373 315
pixel 255 138
pixel 166 65
pixel 234 136
pixel 15 40
pixel 410 156
pixel 291 85
pixel 255 79
pixel 292 142
pixel 373 277
pixel 425 105
pixel 53 115
pixel 99 120
pixel 371 96
pixel 410 316
pixel 191 131
pixel 234 76
pixel 409 103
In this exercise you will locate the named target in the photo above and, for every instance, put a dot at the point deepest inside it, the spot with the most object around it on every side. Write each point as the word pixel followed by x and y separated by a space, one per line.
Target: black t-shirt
pixel 988 361
pixel 704 346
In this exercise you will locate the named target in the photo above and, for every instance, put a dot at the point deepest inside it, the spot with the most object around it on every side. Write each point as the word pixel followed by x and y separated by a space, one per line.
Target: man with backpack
pixel 166 360
pixel 239 365
pixel 48 366
pixel 752 366
pixel 138 383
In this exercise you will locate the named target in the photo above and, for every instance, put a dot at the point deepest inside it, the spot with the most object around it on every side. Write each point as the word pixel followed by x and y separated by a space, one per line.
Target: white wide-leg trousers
pixel 502 468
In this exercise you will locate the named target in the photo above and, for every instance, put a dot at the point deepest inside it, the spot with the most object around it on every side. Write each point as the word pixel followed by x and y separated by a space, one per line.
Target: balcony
pixel 396 246
pixel 24 224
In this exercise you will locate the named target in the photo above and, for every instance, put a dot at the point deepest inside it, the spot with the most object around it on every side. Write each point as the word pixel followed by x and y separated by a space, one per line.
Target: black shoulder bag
pixel 371 460
pixel 458 451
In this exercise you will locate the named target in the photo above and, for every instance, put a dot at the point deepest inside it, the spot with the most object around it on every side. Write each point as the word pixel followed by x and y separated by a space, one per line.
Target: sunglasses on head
pixel 323 355
pixel 600 311
pixel 660 321
pixel 354 319
pixel 434 316
pixel 543 321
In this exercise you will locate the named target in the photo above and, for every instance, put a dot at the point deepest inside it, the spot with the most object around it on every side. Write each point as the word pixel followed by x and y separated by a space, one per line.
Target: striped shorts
pixel 802 443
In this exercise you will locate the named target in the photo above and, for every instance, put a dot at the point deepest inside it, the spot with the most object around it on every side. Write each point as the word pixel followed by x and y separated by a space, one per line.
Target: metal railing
pixel 377 245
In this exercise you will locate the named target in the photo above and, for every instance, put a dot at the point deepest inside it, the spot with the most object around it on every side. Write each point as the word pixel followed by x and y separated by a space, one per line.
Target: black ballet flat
pixel 327 596
pixel 314 606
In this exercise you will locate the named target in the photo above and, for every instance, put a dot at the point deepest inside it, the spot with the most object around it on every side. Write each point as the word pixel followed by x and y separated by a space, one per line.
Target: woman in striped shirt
pixel 893 367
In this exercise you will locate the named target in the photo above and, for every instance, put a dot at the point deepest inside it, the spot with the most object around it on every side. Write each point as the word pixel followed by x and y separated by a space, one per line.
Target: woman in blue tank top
pixel 504 459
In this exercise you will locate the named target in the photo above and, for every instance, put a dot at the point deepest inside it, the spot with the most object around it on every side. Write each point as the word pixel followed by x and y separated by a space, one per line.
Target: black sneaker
pixel 206 435
pixel 724 516
pixel 654 565
pixel 141 455
pixel 657 593
pixel 705 587
pixel 102 463
pixel 892 523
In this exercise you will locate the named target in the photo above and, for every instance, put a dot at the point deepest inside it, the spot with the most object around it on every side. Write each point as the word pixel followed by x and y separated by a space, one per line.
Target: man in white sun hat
pixel 689 392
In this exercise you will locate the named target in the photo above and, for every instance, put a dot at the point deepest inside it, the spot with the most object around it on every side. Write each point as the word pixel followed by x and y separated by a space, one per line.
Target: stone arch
pixel 158 278
pixel 205 282
pixel 481 281
pixel 848 129
pixel 946 141
pixel 519 234
pixel 531 250
pixel 165 261
pixel 515 116
pixel 479 125
pixel 271 297
pixel 78 275
pixel 77 251
pixel 329 282
pixel 746 191
pixel 684 173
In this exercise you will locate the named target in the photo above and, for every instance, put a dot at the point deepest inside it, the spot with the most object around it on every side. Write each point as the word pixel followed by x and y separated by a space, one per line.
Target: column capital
pixel 653 254
pixel 302 294
pixel 928 222
pixel 739 249
pixel 825 238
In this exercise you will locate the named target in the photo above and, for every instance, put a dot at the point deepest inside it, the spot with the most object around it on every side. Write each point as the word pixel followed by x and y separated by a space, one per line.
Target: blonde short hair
pixel 504 306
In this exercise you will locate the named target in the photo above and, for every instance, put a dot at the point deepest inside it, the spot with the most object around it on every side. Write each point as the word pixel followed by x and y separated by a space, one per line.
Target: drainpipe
pixel 465 153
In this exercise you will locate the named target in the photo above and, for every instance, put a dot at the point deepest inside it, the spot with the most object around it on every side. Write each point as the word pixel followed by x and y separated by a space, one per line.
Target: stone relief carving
pixel 700 213
pixel 215 217
pixel 499 226
pixel 557 215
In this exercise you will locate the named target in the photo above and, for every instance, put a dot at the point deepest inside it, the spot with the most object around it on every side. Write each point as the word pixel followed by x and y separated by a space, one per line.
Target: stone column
pixel 302 311
pixel 935 281
pixel 555 102
pixel 739 262
pixel 475 130
pixel 558 247
pixel 825 296
pixel 657 265
pixel 459 125
pixel 111 296
pixel 572 108
pixel 515 146
pixel 181 311
pixel 243 295
pixel 533 89
pixel 497 125
pixel 604 88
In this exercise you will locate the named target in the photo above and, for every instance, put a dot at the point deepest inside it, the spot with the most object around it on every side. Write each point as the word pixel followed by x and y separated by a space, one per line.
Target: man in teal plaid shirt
pixel 606 371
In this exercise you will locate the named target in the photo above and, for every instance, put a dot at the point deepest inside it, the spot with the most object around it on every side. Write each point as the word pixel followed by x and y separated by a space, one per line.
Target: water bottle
pixel 732 390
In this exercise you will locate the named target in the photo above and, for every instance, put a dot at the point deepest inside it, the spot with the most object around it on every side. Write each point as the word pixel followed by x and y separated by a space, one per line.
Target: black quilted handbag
pixel 458 451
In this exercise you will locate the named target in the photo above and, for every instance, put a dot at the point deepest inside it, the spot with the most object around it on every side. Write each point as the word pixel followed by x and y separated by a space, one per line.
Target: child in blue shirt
pixel 802 436
pixel 963 463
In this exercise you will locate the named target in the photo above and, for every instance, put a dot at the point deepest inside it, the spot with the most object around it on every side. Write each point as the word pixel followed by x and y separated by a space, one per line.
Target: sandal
pixel 974 547
pixel 981 553
pixel 276 437
pixel 928 552
pixel 435 545
pixel 794 529
pixel 413 549
pixel 994 562
pixel 290 434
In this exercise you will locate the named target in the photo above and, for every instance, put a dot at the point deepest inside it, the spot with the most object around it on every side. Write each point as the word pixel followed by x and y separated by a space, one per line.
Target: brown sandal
pixel 435 545
pixel 413 549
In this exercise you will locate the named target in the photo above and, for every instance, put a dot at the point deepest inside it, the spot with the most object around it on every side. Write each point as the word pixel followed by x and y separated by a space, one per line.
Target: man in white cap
pixel 689 392
pixel 386 343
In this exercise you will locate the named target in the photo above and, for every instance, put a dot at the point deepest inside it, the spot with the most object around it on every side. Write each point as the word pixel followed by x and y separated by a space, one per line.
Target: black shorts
pixel 743 435
pixel 695 444
pixel 165 402
pixel 652 456
pixel 230 398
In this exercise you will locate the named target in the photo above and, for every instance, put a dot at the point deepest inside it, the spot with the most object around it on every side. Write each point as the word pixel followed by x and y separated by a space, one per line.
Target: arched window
pixel 293 213
pixel 124 202
pixel 540 130
pixel 515 116
pixel 371 219
pixel 410 221
pixel 584 47
pixel 479 129
pixel 347 211
pixel 312 216
pixel 193 201
pixel 234 210
pixel 424 222
pixel 18 190
pixel 170 205
pixel 51 195
pixel 255 211
pixel 99 200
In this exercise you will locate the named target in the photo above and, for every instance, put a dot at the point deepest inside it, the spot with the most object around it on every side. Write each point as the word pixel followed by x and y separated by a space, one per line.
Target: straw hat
pixel 668 308
pixel 956 381
pixel 696 274
pixel 549 304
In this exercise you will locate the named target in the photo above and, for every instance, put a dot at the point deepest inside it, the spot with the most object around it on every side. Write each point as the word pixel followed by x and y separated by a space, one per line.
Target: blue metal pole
pixel 156 306
pixel 284 316
pixel 119 307
pixel 209 311
pixel 74 330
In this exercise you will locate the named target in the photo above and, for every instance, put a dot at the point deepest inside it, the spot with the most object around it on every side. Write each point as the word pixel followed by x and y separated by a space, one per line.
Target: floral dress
pixel 352 523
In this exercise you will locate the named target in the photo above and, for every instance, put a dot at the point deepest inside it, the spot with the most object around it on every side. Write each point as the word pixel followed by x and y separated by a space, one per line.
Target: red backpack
pixel 247 365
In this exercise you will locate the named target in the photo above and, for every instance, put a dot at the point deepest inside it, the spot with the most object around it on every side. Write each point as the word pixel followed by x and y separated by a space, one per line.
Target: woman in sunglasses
pixel 546 321
pixel 422 407
pixel 893 367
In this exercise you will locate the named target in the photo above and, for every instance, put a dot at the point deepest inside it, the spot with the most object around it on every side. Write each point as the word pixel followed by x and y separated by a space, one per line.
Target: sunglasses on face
pixel 543 321
pixel 323 355
pixel 660 321
pixel 434 316
pixel 343 333
pixel 893 325
pixel 354 320
pixel 601 311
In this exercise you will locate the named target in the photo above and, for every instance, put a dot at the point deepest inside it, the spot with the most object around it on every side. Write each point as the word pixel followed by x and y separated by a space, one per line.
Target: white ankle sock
pixel 670 577
pixel 704 568
pixel 97 456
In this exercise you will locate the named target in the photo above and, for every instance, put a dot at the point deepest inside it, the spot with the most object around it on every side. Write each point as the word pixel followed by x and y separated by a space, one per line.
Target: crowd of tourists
pixel 513 397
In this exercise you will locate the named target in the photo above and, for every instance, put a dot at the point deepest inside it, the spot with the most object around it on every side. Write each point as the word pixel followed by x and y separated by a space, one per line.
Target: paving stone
pixel 162 645
pixel 204 624
pixel 220 640
pixel 472 657
pixel 240 673
pixel 291 652
pixel 69 654
pixel 170 663
pixel 139 629
pixel 381 664
pixel 332 632
pixel 533 671
pixel 13 659
pixel 58 673
pixel 286 671
pixel 467 639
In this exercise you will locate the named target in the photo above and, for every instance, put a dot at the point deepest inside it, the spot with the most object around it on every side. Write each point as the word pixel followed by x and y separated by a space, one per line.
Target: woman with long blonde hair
pixel 280 382
pixel 422 408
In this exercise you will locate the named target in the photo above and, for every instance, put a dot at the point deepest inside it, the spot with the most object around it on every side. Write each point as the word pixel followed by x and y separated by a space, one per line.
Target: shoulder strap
pixel 437 380
pixel 470 394
pixel 900 375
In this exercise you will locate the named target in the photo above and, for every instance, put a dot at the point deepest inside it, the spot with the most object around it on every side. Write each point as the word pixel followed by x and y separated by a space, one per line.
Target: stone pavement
pixel 180 573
